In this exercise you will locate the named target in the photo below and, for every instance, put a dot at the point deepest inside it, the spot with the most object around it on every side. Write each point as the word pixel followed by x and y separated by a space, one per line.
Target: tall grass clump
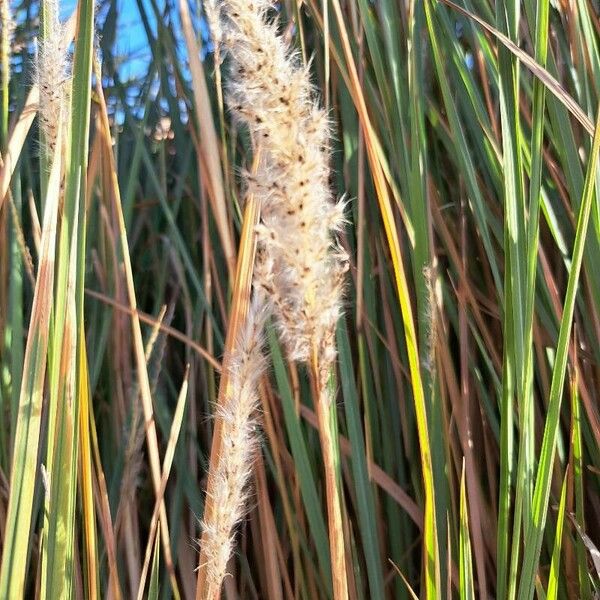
pixel 299 299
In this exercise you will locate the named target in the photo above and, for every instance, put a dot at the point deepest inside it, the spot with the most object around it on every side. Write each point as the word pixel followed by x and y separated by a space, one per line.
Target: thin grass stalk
pixel 324 394
pixel 466 583
pixel 104 511
pixel 581 553
pixel 166 471
pixel 554 575
pixel 92 582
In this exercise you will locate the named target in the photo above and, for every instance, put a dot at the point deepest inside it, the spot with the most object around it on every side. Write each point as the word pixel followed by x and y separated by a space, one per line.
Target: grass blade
pixel 582 563
pixel 553 578
pixel 25 456
pixel 542 485
pixel 467 589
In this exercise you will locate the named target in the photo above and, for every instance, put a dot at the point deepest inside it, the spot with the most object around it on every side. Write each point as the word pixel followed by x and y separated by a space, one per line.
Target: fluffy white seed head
pixel 238 414
pixel 51 76
pixel 301 266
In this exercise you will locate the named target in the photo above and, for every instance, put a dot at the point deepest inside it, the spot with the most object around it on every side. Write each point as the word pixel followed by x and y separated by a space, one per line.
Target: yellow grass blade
pixel 430 533
pixel 87 491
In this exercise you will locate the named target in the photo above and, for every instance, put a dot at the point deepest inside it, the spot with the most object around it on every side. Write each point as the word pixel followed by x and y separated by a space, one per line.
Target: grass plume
pixel 238 415
pixel 301 268
pixel 300 265
pixel 51 75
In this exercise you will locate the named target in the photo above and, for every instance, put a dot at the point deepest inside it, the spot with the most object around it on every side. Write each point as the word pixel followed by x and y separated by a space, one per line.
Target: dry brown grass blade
pixel 209 145
pixel 16 140
pixel 239 310
pixel 326 424
pixel 406 583
pixel 101 498
pixel 142 372
pixel 276 443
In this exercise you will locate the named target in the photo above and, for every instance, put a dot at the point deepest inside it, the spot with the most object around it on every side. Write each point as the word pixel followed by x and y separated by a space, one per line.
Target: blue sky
pixel 131 38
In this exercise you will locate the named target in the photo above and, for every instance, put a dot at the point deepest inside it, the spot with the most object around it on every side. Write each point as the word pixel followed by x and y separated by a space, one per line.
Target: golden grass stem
pixel 325 404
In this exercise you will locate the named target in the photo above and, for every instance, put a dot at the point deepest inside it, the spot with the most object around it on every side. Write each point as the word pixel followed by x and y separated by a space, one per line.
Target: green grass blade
pixel 308 488
pixel 582 562
pixel 466 586
pixel 524 304
pixel 535 533
pixel 363 487
pixel 67 349
pixel 553 578
pixel 24 472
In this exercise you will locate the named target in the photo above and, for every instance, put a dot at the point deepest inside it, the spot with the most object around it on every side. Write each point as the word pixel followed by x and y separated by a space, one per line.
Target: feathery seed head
pixel 51 75
pixel 239 442
pixel 431 322
pixel 302 267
